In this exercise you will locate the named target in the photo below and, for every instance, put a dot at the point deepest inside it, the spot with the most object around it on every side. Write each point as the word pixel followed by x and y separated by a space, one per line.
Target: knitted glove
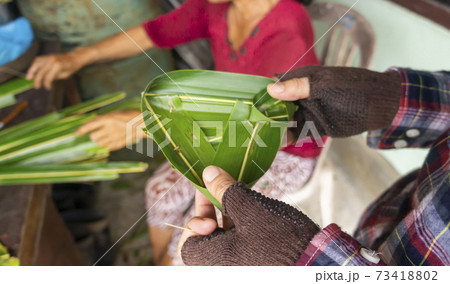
pixel 347 101
pixel 266 232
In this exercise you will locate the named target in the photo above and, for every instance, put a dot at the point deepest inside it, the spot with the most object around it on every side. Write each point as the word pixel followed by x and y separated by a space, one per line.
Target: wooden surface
pixel 13 209
pixel 32 229
pixel 55 246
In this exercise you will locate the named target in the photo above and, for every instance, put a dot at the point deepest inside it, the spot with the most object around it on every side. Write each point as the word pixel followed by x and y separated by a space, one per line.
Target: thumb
pixel 217 181
pixel 197 226
pixel 290 90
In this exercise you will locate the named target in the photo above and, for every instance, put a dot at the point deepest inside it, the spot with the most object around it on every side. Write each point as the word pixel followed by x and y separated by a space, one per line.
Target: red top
pixel 280 42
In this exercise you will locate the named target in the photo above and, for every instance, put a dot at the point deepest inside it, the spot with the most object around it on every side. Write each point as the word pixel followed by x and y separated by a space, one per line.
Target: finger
pixel 37 63
pixel 204 207
pixel 290 90
pixel 40 75
pixel 90 126
pixel 50 76
pixel 290 138
pixel 111 143
pixel 197 226
pixel 114 146
pixel 217 181
pixel 100 134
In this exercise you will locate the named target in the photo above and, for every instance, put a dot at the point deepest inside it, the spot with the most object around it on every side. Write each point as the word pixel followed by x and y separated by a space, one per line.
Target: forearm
pixel 122 45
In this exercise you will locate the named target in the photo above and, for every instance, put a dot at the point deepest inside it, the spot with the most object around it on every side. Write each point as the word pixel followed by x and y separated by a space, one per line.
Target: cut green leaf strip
pixel 35 174
pixel 94 104
pixel 7 101
pixel 11 88
pixel 15 86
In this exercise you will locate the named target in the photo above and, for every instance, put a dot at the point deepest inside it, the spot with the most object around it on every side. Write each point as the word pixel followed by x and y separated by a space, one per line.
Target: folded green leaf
pixel 202 118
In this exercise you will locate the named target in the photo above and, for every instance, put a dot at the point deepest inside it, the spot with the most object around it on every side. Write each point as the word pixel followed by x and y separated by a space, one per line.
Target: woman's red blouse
pixel 281 41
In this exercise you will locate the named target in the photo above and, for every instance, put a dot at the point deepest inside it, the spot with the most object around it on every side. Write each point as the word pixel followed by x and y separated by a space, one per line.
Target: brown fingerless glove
pixel 346 101
pixel 266 232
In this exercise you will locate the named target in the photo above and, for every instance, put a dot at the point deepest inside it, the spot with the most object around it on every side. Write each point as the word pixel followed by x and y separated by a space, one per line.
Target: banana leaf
pixel 11 88
pixel 93 104
pixel 202 118
pixel 64 141
pixel 62 150
pixel 34 174
pixel 128 104
pixel 27 127
pixel 47 149
pixel 30 126
pixel 15 86
pixel 62 127
pixel 7 101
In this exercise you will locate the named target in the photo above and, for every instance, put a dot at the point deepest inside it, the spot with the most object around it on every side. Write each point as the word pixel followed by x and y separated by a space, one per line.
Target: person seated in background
pixel 407 225
pixel 258 37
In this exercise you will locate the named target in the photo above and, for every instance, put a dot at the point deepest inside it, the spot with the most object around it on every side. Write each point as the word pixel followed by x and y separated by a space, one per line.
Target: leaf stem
pixel 205 99
pixel 176 148
pixel 244 162
pixel 218 138
pixel 279 116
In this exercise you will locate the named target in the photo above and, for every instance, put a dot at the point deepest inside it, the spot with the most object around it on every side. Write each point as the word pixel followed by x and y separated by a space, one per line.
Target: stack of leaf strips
pixel 47 149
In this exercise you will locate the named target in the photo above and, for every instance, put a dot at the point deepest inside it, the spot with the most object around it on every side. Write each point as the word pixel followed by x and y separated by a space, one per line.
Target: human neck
pixel 243 16
pixel 253 8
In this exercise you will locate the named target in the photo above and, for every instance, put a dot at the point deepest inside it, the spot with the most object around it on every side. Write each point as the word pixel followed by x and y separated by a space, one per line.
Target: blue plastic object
pixel 15 38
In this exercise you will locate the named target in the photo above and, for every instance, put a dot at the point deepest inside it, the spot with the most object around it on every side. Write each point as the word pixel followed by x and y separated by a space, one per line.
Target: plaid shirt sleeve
pixel 423 115
pixel 409 224
pixel 333 247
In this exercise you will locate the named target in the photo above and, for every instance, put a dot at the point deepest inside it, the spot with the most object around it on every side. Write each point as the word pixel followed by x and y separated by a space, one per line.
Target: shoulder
pixel 203 5
pixel 294 15
pixel 292 8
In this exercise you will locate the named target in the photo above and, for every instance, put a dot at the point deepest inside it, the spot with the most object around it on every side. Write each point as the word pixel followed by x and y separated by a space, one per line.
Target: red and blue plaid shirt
pixel 409 223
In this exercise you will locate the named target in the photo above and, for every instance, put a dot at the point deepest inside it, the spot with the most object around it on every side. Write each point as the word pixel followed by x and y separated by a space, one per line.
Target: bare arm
pixel 121 45
pixel 46 69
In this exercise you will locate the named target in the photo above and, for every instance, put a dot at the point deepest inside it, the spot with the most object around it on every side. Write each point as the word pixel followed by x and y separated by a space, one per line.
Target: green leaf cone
pixel 202 118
